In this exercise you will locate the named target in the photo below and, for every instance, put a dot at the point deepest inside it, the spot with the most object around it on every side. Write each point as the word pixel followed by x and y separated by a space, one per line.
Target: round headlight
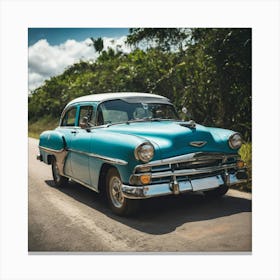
pixel 235 141
pixel 144 152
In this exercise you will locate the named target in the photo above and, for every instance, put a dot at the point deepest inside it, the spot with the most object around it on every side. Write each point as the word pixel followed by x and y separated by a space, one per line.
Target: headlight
pixel 235 141
pixel 144 152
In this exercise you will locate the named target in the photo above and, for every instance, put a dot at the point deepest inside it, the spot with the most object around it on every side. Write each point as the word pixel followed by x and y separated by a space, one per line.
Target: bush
pixel 246 155
pixel 35 128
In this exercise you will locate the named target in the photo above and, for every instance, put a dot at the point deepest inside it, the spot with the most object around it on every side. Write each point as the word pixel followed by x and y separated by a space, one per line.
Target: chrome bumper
pixel 202 184
pixel 39 157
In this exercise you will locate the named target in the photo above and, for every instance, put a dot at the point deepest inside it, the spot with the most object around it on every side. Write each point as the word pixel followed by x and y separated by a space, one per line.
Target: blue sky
pixel 52 50
pixel 56 36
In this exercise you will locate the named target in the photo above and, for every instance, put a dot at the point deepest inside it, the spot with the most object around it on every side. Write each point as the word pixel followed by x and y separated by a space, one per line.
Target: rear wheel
pixel 217 192
pixel 118 203
pixel 59 180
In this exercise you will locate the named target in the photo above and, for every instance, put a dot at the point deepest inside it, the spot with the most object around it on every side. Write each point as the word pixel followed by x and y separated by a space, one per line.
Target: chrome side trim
pixel 51 150
pixel 60 156
pixel 82 183
pixel 107 159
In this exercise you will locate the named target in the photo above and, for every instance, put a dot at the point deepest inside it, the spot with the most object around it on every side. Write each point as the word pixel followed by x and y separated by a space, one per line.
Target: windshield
pixel 118 111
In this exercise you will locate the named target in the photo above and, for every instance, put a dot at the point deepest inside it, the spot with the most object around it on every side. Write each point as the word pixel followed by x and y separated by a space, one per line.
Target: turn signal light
pixel 240 163
pixel 145 179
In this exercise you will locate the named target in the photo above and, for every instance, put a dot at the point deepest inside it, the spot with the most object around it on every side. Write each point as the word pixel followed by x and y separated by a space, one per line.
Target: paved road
pixel 76 219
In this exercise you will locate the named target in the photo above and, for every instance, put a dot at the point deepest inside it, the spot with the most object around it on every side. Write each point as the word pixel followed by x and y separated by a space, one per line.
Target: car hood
pixel 175 138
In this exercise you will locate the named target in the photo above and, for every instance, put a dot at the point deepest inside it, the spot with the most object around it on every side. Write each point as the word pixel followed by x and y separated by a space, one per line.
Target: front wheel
pixel 119 204
pixel 59 180
pixel 222 190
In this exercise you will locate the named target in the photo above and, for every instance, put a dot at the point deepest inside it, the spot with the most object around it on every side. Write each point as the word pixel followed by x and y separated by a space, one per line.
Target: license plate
pixel 207 183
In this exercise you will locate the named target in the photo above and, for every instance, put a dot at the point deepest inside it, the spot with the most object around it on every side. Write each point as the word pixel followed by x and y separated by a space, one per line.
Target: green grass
pixel 37 127
pixel 246 155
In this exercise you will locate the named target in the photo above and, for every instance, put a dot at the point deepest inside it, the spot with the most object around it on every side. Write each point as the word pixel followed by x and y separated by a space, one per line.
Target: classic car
pixel 132 146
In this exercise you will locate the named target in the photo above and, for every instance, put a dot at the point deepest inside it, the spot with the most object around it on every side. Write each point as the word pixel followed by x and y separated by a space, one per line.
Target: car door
pixel 79 146
pixel 67 128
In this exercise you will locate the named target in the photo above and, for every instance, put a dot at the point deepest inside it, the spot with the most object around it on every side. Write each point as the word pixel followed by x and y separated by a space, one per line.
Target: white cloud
pixel 45 60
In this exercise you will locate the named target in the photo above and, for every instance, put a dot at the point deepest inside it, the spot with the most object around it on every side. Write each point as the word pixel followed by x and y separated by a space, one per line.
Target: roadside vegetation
pixel 45 123
pixel 246 154
pixel 206 70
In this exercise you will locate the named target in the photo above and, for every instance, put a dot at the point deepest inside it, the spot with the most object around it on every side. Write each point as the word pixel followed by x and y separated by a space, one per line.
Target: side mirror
pixel 84 123
pixel 187 115
pixel 184 111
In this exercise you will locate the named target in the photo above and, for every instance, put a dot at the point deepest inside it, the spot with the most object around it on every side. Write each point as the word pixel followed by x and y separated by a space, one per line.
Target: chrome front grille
pixel 196 165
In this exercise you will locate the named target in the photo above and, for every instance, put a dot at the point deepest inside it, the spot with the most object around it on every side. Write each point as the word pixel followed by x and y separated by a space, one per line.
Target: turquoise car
pixel 133 146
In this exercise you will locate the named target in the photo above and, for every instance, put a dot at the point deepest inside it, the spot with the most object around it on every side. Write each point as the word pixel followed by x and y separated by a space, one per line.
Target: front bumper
pixel 200 184
pixel 191 172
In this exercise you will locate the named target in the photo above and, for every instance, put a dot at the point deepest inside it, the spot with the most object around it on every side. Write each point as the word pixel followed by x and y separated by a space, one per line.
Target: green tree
pixel 211 73
pixel 207 70
pixel 162 38
pixel 97 44
pixel 223 56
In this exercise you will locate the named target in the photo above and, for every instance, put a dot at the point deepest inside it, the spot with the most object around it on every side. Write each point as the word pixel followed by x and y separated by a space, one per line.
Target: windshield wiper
pixel 138 120
pixel 150 120
pixel 189 124
pixel 144 120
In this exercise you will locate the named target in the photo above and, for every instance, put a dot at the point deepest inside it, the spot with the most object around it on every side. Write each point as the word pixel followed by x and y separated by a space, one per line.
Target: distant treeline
pixel 207 70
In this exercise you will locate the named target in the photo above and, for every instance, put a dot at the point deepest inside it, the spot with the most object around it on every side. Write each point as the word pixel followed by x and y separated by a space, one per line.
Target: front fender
pixel 116 146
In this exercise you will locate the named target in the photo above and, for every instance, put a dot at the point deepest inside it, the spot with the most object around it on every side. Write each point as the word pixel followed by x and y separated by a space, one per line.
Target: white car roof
pixel 116 95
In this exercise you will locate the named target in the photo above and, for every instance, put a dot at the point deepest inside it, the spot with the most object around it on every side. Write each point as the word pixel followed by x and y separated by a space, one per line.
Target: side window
pixel 69 117
pixel 86 111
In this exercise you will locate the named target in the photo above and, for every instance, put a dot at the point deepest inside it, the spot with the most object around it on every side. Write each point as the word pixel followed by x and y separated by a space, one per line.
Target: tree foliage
pixel 162 38
pixel 208 70
pixel 97 44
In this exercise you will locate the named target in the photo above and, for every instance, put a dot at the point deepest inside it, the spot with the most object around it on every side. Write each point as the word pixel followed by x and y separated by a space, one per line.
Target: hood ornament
pixel 198 144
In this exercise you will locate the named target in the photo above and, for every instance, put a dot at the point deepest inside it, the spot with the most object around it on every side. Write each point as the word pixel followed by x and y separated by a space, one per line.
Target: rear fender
pixel 53 144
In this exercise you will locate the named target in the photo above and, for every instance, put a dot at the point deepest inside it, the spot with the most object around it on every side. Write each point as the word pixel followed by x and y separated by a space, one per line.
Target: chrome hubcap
pixel 116 194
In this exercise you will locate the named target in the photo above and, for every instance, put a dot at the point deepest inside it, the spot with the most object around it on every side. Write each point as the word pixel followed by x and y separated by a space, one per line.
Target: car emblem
pixel 198 143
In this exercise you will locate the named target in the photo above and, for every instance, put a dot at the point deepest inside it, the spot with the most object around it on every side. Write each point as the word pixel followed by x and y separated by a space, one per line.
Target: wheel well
pixel 102 177
pixel 49 158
